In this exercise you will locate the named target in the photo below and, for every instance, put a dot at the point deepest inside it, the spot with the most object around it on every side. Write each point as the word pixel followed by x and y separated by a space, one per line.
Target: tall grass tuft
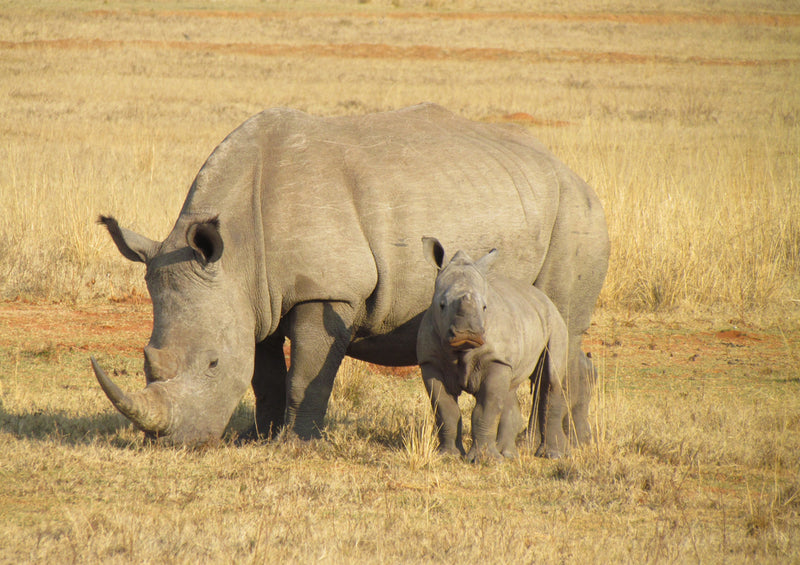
pixel 420 441
pixel 696 218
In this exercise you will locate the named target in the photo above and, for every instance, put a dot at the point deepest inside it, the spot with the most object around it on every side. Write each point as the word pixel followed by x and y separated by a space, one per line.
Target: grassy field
pixel 686 122
pixel 687 125
pixel 696 461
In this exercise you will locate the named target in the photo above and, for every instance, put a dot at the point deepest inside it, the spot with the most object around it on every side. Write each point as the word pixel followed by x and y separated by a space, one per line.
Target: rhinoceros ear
pixel 433 251
pixel 486 261
pixel 133 246
pixel 206 241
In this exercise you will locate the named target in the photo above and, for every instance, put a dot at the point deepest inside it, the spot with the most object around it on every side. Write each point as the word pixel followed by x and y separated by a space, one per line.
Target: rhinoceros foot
pixel 485 453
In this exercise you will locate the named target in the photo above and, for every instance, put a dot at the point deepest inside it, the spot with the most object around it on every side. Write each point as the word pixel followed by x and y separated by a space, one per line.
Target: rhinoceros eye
pixel 441 304
pixel 213 364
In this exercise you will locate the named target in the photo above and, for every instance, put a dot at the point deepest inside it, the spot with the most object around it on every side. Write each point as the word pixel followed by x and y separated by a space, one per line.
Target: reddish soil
pixel 113 328
pixel 393 52
pixel 120 327
pixel 647 347
pixel 527 119
pixel 744 19
pixel 660 352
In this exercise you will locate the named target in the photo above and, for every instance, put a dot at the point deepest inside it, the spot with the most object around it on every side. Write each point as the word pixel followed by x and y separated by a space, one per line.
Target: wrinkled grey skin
pixel 303 227
pixel 486 334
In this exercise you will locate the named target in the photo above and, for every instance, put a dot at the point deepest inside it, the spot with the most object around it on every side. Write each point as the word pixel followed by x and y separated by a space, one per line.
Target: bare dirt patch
pixel 650 353
pixel 776 20
pixel 687 350
pixel 395 52
pixel 121 328
pixel 527 119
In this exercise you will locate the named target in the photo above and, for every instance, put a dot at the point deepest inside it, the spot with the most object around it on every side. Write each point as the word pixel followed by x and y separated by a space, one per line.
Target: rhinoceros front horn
pixel 146 409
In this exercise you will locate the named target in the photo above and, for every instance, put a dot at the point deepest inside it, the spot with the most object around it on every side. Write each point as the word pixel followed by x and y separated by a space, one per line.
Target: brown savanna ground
pixel 686 121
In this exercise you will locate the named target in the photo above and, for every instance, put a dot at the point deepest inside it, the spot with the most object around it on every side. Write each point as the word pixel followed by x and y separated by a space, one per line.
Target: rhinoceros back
pixel 338 207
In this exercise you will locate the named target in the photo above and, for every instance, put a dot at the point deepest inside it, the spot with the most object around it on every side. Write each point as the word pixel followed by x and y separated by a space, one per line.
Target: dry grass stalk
pixel 420 441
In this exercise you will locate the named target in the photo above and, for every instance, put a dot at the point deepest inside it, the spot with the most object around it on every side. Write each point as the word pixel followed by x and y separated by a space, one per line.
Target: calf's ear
pixel 486 261
pixel 433 251
pixel 133 246
pixel 204 238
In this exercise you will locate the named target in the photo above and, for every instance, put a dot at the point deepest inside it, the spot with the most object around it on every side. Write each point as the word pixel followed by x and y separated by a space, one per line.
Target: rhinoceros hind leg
pixel 572 276
pixel 581 381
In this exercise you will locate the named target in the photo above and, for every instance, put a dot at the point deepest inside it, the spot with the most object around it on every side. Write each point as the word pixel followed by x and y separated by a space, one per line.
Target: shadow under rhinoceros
pixel 59 426
pixel 67 429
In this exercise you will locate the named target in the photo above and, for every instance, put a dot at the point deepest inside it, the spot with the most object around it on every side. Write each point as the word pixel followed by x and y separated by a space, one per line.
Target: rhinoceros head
pixel 459 299
pixel 199 360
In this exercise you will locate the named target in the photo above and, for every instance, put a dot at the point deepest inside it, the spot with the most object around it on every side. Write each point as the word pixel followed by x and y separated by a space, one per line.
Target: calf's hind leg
pixel 549 405
pixel 511 424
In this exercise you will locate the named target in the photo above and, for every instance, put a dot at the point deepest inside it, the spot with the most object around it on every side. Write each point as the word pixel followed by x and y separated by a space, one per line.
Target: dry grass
pixel 688 125
pixel 672 477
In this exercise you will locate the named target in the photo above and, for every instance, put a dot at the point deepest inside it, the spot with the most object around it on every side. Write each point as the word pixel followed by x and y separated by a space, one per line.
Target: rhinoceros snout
pixel 455 332
pixel 460 339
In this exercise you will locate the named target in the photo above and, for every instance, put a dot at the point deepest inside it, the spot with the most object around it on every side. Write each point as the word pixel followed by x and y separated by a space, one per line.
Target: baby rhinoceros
pixel 486 334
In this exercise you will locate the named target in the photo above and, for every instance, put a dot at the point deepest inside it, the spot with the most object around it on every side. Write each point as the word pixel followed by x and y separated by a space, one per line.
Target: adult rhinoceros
pixel 308 228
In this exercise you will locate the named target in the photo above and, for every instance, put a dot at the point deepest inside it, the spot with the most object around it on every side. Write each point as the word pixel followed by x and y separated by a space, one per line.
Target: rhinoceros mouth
pixel 466 340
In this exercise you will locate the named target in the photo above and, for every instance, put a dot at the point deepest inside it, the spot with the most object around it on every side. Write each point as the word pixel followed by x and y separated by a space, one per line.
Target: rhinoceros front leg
pixel 320 333
pixel 445 408
pixel 269 386
pixel 489 405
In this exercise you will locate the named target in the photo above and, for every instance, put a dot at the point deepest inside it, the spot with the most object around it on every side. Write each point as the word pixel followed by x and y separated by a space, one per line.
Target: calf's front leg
pixel 489 405
pixel 445 407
